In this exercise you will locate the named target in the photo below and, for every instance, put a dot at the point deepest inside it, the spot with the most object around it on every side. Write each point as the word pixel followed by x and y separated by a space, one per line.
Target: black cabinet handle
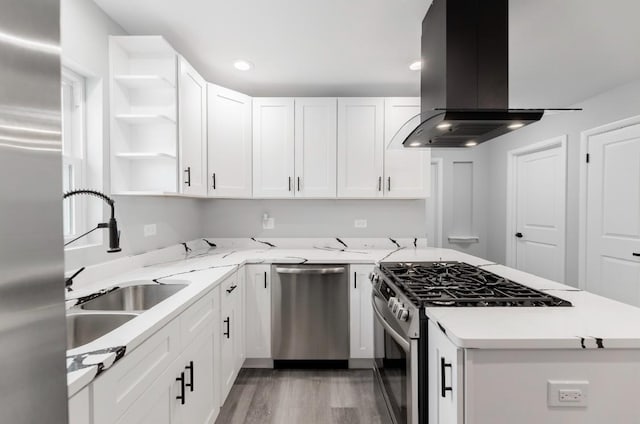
pixel 298 183
pixel 443 384
pixel 355 280
pixel 232 288
pixel 388 183
pixel 213 177
pixel 265 279
pixel 181 380
pixel 190 368
pixel 188 172
pixel 379 183
pixel 636 253
pixel 519 235
pixel 289 183
pixel 227 333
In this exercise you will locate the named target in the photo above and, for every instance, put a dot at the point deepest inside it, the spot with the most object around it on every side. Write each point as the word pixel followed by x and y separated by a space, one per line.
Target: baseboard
pixel 361 363
pixel 258 363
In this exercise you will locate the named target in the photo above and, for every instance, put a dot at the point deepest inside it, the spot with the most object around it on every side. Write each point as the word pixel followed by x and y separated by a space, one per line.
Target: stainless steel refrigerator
pixel 33 385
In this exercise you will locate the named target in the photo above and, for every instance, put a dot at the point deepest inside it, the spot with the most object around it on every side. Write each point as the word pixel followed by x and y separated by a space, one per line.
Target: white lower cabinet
pixel 232 331
pixel 446 377
pixel 361 312
pixel 258 311
pixel 80 407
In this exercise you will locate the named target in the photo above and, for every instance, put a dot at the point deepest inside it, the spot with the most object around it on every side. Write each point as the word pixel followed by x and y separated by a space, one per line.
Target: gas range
pixel 409 287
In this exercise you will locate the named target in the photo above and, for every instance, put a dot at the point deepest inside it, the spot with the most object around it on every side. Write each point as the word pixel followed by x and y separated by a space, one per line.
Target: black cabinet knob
pixel 636 253
pixel 519 235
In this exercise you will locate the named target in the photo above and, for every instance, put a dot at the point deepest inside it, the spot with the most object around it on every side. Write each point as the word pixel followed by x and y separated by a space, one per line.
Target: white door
pixel 258 312
pixel 229 147
pixel 360 147
pixel 192 123
pixel 538 230
pixel 315 147
pixel 613 215
pixel 406 171
pixel 361 312
pixel 273 147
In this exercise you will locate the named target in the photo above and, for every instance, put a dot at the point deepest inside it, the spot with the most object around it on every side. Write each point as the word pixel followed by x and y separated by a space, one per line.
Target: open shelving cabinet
pixel 144 105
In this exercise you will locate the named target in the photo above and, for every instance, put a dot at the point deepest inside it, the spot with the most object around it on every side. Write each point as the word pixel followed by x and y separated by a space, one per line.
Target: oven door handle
pixel 393 333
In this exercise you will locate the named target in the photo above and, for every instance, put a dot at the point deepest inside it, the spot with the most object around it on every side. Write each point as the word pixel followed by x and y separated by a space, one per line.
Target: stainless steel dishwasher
pixel 310 313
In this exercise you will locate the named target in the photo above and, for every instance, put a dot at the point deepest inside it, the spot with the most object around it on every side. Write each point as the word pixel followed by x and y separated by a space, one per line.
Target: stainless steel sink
pixel 85 328
pixel 133 298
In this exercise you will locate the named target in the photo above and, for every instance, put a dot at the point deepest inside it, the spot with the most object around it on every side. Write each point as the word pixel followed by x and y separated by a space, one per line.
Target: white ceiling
pixel 562 51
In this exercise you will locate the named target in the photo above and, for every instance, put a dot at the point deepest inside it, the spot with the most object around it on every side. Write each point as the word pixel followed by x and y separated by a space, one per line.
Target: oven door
pixel 396 365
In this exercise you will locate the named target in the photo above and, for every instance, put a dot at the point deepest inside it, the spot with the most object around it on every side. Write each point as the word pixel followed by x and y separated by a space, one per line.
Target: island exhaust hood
pixel 464 78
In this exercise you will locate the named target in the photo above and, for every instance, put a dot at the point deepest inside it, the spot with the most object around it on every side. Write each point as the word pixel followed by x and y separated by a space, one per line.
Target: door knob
pixel 519 235
pixel 636 253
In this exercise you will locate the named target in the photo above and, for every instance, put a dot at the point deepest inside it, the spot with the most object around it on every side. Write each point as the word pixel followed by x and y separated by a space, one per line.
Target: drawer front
pixel 198 316
pixel 117 389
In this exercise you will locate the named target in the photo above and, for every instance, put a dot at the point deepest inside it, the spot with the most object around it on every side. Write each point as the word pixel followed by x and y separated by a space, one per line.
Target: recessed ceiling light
pixel 415 144
pixel 416 66
pixel 443 126
pixel 243 65
pixel 470 143
pixel 516 125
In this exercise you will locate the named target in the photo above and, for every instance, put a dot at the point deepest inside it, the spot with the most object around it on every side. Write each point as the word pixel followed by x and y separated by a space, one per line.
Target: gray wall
pixel 614 105
pixel 315 218
pixel 84 32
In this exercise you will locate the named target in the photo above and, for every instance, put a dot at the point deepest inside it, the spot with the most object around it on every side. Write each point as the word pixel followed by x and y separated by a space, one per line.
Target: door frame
pixel 438 196
pixel 585 137
pixel 512 174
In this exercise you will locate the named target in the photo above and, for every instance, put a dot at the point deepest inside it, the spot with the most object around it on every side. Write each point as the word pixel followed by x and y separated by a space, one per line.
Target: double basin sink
pixel 97 317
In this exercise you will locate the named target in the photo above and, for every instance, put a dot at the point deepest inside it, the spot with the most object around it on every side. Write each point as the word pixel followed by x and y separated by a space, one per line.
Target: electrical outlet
pixel 567 393
pixel 268 224
pixel 150 230
pixel 360 223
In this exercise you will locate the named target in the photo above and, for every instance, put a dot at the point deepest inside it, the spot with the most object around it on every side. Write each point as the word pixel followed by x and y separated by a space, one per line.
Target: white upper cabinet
pixel 229 145
pixel 360 147
pixel 273 147
pixel 406 171
pixel 192 118
pixel 315 147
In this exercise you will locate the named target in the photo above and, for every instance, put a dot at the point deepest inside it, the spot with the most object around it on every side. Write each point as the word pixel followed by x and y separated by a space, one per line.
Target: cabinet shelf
pixel 143 118
pixel 143 81
pixel 145 155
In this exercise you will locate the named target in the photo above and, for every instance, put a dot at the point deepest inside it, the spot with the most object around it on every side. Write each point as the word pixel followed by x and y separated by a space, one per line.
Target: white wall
pixel 315 218
pixel 84 35
pixel 614 105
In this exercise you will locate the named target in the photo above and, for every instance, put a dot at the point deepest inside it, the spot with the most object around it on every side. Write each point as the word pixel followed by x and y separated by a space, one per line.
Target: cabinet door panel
pixel 258 312
pixel 406 171
pixel 360 147
pixel 229 146
pixel 446 391
pixel 361 311
pixel 201 407
pixel 192 123
pixel 315 147
pixel 273 147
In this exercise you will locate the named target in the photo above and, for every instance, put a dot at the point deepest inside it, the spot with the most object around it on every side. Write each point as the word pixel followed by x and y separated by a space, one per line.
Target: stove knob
pixel 397 306
pixel 403 314
pixel 391 302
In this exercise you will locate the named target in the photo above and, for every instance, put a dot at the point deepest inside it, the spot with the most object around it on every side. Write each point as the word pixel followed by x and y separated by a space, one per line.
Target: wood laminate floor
pixel 266 396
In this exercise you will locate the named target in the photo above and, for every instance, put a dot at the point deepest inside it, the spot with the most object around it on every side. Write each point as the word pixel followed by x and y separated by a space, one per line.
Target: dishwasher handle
pixel 327 270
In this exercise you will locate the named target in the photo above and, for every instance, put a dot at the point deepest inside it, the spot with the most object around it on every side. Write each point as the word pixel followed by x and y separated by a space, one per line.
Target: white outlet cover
pixel 567 394
pixel 360 223
pixel 150 230
pixel 268 224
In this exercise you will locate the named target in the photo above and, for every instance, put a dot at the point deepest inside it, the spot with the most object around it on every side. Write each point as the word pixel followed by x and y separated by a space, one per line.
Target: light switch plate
pixel 150 230
pixel 567 394
pixel 360 223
